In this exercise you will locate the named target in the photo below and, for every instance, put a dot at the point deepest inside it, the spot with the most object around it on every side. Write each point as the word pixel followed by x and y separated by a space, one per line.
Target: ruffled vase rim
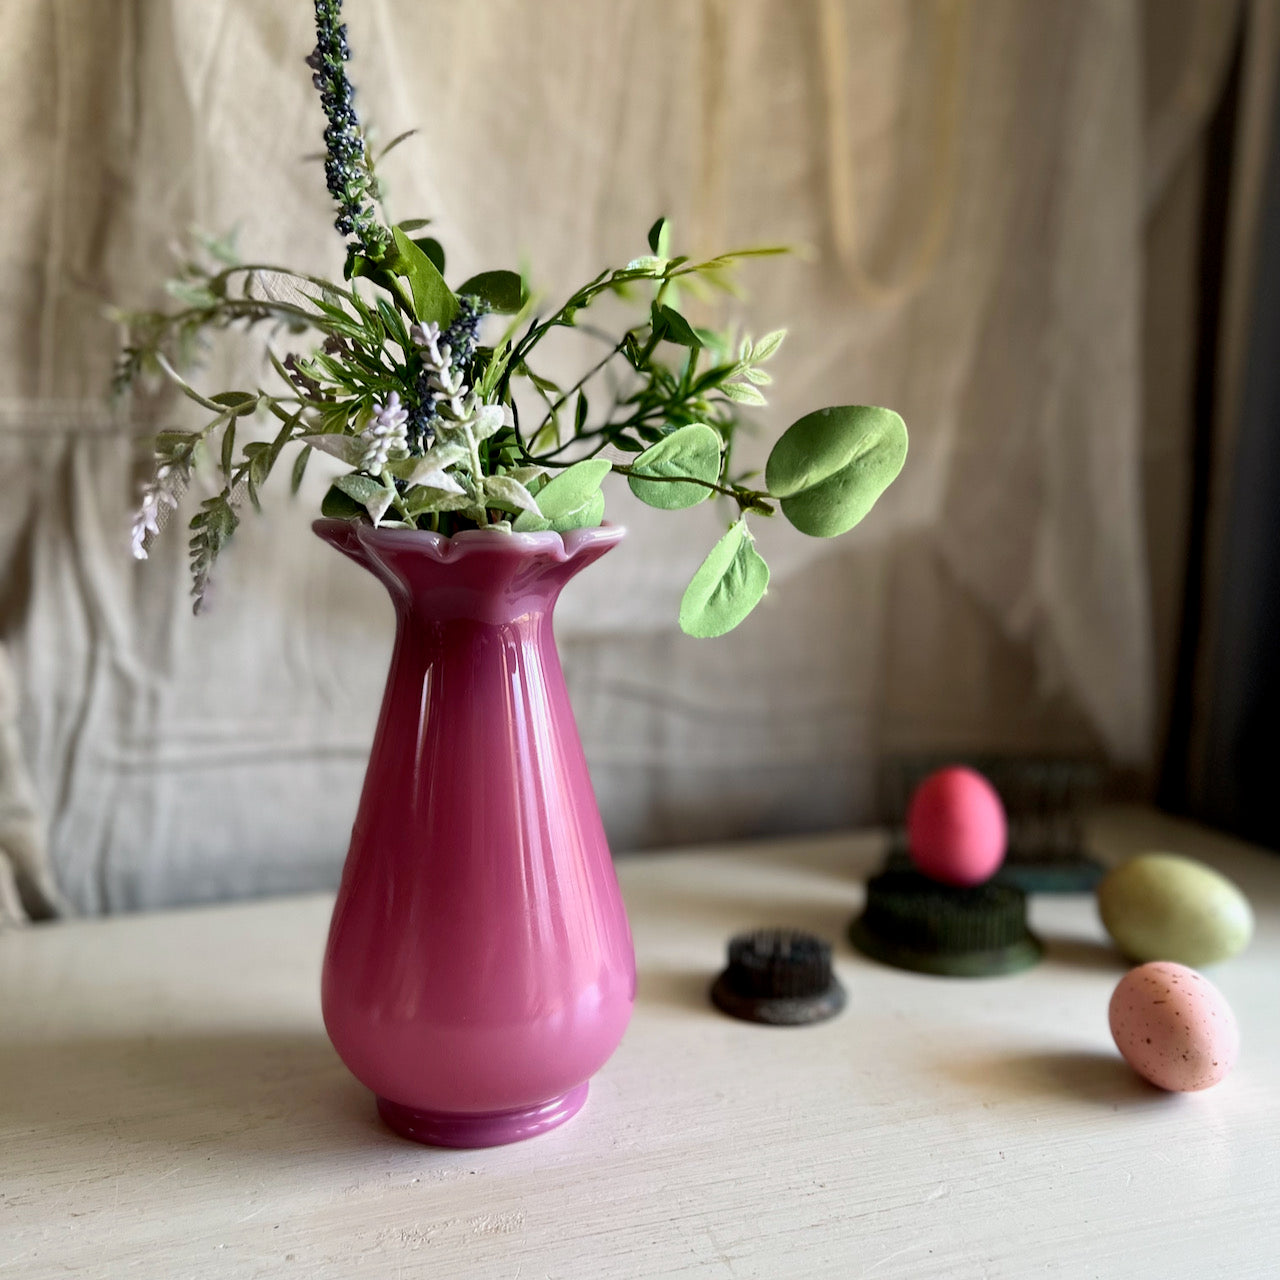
pixel 560 548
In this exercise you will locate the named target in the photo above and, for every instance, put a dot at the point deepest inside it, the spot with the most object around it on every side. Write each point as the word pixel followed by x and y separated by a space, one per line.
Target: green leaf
pixel 348 449
pixel 768 345
pixel 580 413
pixel 668 323
pixel 504 291
pixel 299 468
pixel 228 448
pixel 432 299
pixel 432 248
pixel 369 493
pixel 660 237
pixel 694 451
pixel 741 393
pixel 644 268
pixel 338 506
pixel 831 466
pixel 239 402
pixel 424 498
pixel 387 150
pixel 586 517
pixel 570 496
pixel 508 494
pixel 413 224
pixel 728 585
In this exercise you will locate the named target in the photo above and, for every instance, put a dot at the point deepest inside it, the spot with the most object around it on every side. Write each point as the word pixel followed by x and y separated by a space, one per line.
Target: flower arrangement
pixel 429 395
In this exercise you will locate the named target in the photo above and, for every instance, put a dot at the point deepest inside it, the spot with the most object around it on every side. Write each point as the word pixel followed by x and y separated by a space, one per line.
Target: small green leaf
pixel 580 413
pixel 768 345
pixel 741 393
pixel 504 291
pixel 693 451
pixel 728 585
pixel 388 149
pixel 300 468
pixel 660 237
pixel 228 448
pixel 570 496
pixel 831 466
pixel 640 268
pixel 432 299
pixel 671 325
pixel 239 402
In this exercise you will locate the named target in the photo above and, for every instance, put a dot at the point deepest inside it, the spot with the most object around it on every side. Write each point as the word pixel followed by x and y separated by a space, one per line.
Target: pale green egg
pixel 1162 906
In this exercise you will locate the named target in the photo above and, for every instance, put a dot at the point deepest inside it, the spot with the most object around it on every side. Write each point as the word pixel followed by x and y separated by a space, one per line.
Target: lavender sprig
pixel 443 359
pixel 347 170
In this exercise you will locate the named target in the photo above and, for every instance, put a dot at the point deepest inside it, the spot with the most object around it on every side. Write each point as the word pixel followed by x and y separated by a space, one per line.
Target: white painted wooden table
pixel 170 1108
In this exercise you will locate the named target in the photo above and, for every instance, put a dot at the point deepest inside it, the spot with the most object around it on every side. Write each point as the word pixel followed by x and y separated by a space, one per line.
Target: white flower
pixel 385 433
pixel 157 497
pixel 427 338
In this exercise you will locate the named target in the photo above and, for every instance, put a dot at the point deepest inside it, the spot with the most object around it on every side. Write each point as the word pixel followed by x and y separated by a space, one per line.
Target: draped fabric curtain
pixel 1000 203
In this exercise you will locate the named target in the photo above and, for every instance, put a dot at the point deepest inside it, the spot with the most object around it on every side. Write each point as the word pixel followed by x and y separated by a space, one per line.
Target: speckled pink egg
pixel 956 830
pixel 1174 1027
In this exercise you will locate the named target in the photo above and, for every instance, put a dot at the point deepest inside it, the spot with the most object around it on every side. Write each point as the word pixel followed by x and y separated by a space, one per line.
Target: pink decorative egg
pixel 956 829
pixel 1174 1027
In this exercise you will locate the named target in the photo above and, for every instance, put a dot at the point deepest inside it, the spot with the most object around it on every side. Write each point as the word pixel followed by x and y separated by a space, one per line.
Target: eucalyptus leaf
pixel 831 466
pixel 693 451
pixel 727 586
pixel 585 517
pixel 432 299
pixel 504 291
pixel 569 496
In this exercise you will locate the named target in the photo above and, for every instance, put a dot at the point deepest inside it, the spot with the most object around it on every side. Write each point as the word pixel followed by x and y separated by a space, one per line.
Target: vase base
pixel 480 1128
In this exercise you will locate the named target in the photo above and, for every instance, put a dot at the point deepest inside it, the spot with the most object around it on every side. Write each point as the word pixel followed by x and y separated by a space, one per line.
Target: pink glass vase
pixel 480 967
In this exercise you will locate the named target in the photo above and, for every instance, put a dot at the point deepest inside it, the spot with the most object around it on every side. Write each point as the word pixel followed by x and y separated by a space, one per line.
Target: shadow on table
pixel 1083 953
pixel 1092 1076
pixel 688 989
pixel 249 1099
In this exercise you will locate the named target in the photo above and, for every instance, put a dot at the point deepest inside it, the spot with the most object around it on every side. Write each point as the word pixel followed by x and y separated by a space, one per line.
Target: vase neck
pixel 478 575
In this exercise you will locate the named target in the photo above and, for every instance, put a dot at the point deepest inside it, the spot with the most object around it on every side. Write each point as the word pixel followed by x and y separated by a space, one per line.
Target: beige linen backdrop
pixel 989 189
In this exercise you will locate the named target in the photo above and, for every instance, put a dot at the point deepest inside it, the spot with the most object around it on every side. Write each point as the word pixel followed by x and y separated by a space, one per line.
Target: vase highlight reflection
pixel 480 967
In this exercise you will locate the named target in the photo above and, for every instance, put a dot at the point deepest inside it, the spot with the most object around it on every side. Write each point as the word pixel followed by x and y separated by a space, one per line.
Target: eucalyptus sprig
pixel 387 373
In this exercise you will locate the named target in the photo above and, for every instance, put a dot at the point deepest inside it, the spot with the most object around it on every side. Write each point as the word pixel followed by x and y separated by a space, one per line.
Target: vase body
pixel 479 968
